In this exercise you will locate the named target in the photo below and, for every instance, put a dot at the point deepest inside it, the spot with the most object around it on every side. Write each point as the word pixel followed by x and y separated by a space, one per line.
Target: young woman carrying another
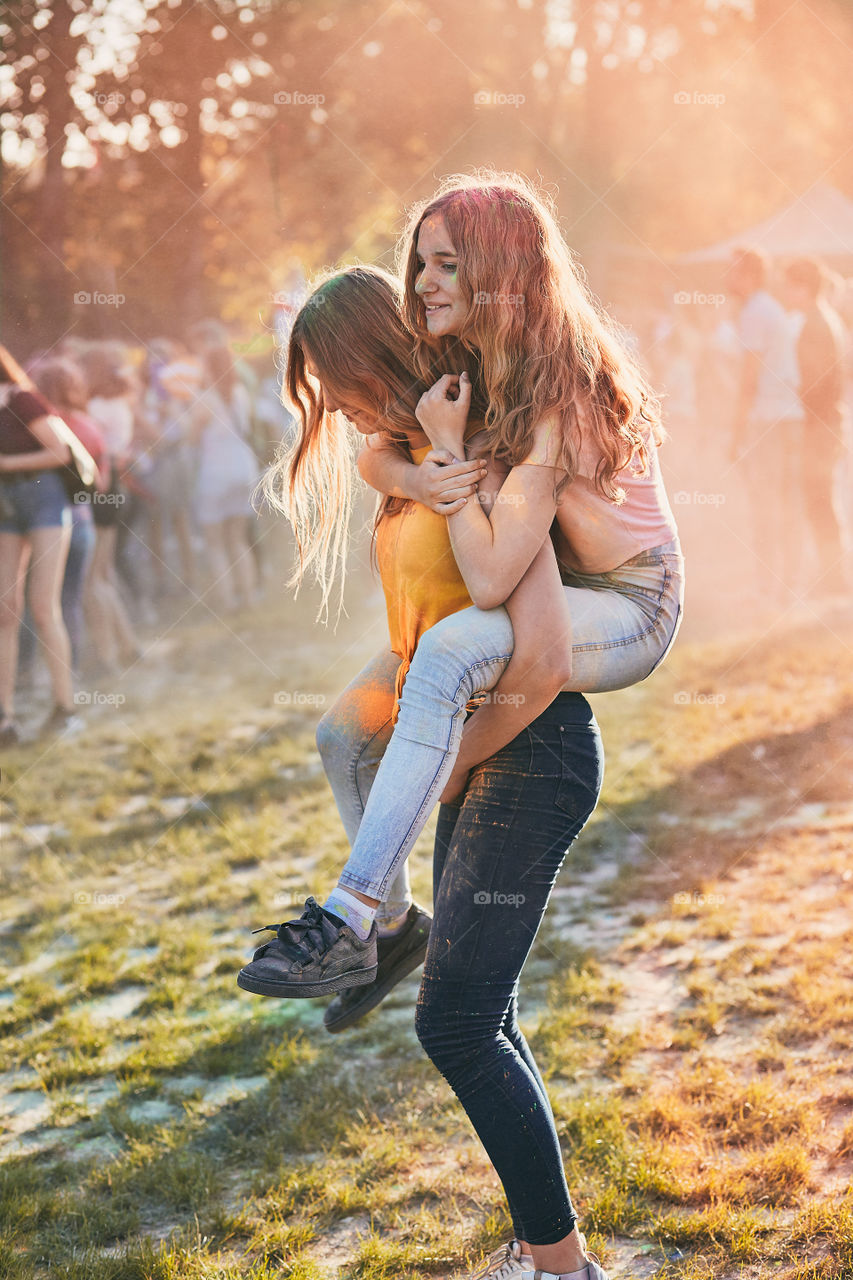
pixel 568 422
pixel 509 835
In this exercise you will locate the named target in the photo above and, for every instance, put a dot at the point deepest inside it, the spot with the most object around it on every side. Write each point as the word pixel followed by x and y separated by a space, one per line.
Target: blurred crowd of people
pixel 757 383
pixel 758 377
pixel 180 433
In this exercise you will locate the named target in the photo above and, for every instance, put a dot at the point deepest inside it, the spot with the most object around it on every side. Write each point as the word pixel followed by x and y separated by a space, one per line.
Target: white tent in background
pixel 818 223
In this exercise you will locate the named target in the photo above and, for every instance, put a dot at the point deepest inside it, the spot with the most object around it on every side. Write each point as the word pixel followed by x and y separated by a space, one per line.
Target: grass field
pixel 690 997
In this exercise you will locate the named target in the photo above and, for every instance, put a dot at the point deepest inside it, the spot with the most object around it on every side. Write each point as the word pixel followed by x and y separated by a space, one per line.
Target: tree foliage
pixel 181 154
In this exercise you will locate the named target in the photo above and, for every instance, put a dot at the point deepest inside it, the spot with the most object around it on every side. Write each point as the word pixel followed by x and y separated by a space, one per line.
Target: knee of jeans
pixel 450 1035
pixel 449 651
pixel 331 737
pixel 437 1037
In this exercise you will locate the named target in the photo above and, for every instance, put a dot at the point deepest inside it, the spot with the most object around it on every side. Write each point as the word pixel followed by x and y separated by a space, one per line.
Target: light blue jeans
pixel 351 738
pixel 623 624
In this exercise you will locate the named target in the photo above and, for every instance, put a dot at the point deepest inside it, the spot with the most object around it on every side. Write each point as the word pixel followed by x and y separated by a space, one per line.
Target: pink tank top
pixel 596 535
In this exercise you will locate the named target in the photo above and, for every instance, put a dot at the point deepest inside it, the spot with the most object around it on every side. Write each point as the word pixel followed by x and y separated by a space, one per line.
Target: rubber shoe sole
pixel 314 955
pixel 400 961
pixel 294 990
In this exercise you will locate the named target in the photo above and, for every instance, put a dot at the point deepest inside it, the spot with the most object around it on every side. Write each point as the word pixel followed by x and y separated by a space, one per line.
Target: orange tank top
pixel 420 577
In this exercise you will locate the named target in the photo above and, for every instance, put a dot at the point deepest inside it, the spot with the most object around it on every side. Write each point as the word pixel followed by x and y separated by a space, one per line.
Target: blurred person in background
pixel 273 424
pixel 678 345
pixel 166 413
pixel 768 419
pixel 208 335
pixel 274 427
pixel 820 359
pixel 63 384
pixel 35 530
pixel 110 406
pixel 845 309
pixel 134 559
pixel 227 472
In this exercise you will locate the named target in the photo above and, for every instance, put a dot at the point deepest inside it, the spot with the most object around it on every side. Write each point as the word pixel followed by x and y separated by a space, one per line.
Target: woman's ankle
pixel 566 1255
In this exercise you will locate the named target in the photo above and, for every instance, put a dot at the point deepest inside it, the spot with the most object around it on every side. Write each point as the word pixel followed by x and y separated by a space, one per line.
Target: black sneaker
pixel 397 956
pixel 315 955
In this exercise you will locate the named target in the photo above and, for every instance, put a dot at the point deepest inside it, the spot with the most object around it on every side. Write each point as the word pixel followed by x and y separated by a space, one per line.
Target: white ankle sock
pixel 347 907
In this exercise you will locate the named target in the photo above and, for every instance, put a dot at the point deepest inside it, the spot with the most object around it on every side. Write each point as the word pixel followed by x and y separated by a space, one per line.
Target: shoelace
pixel 303 939
pixel 501 1264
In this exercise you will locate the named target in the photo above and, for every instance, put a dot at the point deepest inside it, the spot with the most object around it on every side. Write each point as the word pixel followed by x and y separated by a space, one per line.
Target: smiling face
pixel 437 282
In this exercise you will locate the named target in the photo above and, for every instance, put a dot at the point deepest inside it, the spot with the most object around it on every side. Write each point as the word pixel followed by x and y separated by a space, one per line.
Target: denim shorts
pixel 37 502
pixel 624 622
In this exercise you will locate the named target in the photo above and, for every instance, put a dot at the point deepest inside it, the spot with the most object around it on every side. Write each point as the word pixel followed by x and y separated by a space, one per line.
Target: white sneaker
pixel 507 1262
pixel 596 1271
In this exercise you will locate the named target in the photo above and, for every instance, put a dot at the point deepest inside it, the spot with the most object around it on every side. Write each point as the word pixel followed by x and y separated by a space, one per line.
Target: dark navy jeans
pixel 497 856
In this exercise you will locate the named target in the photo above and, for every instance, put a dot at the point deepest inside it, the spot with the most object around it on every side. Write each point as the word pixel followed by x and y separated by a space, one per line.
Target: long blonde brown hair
pixel 351 329
pixel 545 347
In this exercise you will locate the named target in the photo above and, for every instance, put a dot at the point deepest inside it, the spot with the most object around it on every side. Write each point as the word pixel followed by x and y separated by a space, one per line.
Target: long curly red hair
pixel 541 344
